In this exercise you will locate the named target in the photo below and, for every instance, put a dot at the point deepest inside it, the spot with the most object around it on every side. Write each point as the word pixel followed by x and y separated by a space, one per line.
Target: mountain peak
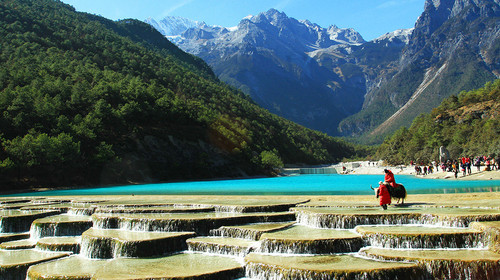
pixel 402 35
pixel 451 8
pixel 272 16
pixel 173 25
pixel 274 12
pixel 432 3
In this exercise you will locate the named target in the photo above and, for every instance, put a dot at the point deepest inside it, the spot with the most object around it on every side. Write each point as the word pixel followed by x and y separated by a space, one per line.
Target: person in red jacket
pixel 383 194
pixel 389 178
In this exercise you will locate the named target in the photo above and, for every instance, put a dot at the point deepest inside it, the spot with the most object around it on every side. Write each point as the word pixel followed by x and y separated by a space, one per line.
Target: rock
pixel 444 154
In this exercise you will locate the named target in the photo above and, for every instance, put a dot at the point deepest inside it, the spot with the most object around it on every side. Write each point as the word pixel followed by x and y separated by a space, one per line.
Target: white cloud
pixel 282 5
pixel 177 6
pixel 394 3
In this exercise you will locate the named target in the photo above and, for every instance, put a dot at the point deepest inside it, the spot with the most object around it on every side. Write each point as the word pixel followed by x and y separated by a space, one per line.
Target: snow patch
pixel 401 34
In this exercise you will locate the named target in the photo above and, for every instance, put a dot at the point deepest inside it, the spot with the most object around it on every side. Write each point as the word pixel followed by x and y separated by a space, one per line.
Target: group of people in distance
pixel 463 164
pixel 419 170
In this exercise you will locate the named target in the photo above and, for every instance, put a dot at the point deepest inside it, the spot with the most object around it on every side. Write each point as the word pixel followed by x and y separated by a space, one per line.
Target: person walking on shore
pixel 477 163
pixel 468 163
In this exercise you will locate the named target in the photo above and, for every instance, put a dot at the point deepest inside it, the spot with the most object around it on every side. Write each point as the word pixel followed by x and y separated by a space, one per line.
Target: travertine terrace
pixel 253 237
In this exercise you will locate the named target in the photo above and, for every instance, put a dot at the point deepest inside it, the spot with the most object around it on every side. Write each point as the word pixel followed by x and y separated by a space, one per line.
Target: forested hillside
pixel 88 101
pixel 467 124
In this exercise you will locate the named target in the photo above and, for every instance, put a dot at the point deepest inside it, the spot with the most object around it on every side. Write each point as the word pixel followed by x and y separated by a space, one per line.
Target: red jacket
pixel 383 194
pixel 389 178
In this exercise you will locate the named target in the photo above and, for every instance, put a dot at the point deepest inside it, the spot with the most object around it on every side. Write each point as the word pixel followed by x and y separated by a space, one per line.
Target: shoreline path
pixel 366 167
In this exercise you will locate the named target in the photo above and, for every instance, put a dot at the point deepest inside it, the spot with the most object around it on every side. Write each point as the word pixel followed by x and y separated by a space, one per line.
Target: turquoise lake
pixel 292 185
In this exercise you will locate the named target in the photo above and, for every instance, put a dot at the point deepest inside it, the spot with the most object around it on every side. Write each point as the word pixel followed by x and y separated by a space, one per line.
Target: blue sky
pixel 371 18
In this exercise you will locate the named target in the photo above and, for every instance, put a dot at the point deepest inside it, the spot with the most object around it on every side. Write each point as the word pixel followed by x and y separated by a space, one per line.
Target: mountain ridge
pixel 361 84
pixel 265 57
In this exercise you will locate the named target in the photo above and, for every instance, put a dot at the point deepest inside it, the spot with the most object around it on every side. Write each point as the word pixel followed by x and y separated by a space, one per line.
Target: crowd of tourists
pixel 463 165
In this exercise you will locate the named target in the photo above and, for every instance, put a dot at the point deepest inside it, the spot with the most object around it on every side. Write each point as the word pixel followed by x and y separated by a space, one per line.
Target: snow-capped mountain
pixel 400 36
pixel 312 36
pixel 172 25
pixel 304 33
pixel 294 68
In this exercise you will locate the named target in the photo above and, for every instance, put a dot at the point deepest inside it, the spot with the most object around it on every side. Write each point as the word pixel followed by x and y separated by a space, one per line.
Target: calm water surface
pixel 293 185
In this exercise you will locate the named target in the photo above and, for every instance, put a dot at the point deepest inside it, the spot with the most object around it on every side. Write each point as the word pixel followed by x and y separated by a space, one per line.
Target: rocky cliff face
pixel 454 47
pixel 441 18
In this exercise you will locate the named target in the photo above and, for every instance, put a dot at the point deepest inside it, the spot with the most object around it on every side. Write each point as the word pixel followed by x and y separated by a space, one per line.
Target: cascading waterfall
pixel 222 246
pixel 345 221
pixel 236 233
pixel 465 240
pixel 60 244
pixel 454 265
pixel 167 225
pixel 155 210
pixel 491 232
pixel 321 170
pixel 444 269
pixel 455 221
pixel 97 248
pixel 325 246
pixel 17 273
pixel 348 221
pixel 265 271
pixel 219 249
pixel 245 208
pixel 201 223
pixel 217 208
pixel 268 272
pixel 62 225
pixel 20 221
pixel 81 211
pixel 38 231
pixel 105 222
pixel 102 221
pixel 49 201
pixel 111 243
